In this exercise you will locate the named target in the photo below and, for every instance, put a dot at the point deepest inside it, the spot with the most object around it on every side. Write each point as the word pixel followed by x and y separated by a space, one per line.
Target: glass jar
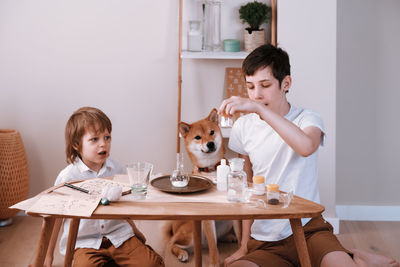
pixel 194 36
pixel 237 180
pixel 212 20
pixel 258 185
pixel 273 194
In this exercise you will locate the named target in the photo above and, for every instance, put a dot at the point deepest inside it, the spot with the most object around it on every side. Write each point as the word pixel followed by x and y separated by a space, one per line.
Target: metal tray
pixel 196 184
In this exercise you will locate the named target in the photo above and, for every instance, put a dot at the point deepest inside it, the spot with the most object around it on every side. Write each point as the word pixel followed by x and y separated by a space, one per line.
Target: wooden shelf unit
pixel 212 55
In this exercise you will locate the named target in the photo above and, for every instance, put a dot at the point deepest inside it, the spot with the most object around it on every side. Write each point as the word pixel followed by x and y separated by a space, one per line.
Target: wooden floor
pixel 18 242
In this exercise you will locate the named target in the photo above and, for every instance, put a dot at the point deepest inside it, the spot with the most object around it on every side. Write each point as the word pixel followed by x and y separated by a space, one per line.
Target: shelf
pixel 214 55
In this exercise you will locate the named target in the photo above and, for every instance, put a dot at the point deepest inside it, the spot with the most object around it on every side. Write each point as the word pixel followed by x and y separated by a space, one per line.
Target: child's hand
pixel 236 104
pixel 242 251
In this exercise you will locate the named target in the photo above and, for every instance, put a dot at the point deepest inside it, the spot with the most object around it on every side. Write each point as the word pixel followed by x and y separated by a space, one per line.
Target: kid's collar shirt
pixel 91 232
pixel 271 157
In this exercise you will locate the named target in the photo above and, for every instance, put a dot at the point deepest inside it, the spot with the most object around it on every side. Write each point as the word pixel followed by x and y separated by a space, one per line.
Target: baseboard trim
pixel 335 222
pixel 368 213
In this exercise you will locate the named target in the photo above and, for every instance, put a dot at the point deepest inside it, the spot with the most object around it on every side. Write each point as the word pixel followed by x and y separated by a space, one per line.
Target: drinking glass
pixel 139 176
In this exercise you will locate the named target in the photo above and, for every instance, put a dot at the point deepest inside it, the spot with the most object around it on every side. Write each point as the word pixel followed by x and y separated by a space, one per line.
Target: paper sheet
pixel 25 204
pixel 95 186
pixel 64 204
pixel 67 201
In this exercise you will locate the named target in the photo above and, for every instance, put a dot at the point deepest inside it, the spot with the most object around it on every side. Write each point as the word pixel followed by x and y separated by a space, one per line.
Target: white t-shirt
pixel 271 157
pixel 91 232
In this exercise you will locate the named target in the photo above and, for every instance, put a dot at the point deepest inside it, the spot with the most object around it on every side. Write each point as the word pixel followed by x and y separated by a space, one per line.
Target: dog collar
pixel 209 169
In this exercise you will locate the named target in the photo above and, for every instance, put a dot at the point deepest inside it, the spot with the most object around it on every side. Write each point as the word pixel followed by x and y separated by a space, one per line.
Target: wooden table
pixel 196 212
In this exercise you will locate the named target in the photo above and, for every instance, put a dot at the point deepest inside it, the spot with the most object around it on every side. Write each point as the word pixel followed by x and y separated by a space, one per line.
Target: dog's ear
pixel 213 116
pixel 184 128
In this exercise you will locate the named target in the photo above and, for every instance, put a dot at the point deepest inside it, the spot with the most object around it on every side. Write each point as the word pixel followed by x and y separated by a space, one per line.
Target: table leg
pixel 73 233
pixel 45 235
pixel 197 243
pixel 300 241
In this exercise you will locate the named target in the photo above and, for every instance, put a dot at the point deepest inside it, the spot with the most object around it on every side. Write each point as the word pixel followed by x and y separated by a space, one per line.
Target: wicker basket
pixel 14 172
pixel 253 40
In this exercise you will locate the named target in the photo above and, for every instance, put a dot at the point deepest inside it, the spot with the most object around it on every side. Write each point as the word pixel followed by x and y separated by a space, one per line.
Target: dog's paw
pixel 213 265
pixel 183 256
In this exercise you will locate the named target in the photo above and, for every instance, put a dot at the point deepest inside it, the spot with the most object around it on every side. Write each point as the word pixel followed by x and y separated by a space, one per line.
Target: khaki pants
pixel 320 241
pixel 131 253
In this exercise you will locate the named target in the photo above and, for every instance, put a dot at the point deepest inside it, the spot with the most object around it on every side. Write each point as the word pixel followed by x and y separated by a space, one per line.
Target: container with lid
pixel 258 185
pixel 273 194
pixel 237 180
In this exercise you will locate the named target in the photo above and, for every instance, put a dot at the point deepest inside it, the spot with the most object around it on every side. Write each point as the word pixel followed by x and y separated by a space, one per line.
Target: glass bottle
pixel 212 20
pixel 194 36
pixel 222 176
pixel 237 180
pixel 178 177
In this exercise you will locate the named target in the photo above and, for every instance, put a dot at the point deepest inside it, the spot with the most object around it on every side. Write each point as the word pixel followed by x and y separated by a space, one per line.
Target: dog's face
pixel 203 140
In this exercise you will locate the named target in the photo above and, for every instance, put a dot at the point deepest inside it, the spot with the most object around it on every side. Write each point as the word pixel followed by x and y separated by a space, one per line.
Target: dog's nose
pixel 211 146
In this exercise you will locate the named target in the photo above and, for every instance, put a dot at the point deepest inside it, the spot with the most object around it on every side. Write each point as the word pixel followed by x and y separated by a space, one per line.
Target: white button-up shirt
pixel 91 232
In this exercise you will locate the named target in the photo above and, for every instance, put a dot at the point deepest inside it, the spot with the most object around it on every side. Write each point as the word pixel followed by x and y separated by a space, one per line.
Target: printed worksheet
pixel 65 204
pixel 95 186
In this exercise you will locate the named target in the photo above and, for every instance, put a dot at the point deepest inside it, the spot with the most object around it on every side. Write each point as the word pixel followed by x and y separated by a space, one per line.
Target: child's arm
pixel 248 169
pixel 304 142
pixel 246 226
pixel 53 240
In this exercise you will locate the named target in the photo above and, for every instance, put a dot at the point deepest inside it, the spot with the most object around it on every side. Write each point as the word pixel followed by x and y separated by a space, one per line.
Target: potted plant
pixel 254 14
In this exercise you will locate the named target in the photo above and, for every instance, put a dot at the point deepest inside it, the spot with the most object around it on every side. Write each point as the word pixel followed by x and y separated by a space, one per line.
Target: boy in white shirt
pixel 280 142
pixel 99 242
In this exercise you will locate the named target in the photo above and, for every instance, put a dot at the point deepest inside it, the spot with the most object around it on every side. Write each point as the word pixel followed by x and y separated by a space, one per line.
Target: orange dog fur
pixel 204 145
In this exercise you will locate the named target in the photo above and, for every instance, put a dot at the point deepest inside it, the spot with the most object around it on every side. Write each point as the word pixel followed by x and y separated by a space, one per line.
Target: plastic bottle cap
pixel 223 162
pixel 272 187
pixel 258 179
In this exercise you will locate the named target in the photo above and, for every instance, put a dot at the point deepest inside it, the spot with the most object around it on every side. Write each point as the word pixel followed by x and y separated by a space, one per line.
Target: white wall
pixel 307 30
pixel 58 56
pixel 368 126
pixel 120 56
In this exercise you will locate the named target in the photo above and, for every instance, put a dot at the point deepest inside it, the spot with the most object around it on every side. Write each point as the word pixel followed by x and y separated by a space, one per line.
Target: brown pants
pixel 320 241
pixel 131 253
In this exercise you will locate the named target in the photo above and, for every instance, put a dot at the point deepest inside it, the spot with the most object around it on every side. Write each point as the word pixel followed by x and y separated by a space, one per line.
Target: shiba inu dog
pixel 179 236
pixel 204 145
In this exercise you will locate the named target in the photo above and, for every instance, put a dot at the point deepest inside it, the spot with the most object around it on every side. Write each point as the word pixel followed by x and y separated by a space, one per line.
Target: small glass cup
pixel 225 121
pixel 286 198
pixel 139 176
pixel 247 194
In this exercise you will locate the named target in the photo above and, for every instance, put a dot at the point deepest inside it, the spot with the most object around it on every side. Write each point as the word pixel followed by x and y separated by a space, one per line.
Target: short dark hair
pixel 82 120
pixel 264 56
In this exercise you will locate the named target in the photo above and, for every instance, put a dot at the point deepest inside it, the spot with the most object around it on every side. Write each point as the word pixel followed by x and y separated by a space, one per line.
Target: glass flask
pixel 178 177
